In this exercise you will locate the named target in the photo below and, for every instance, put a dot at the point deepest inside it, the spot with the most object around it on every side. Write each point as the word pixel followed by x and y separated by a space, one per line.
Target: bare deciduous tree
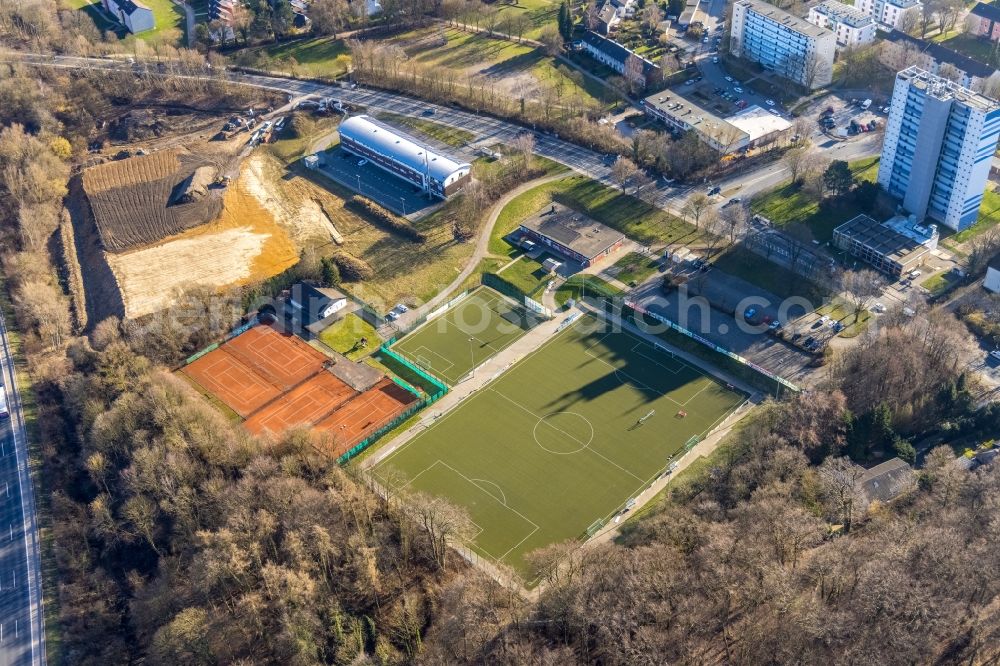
pixel 861 288
pixel 695 207
pixel 622 171
pixel 443 523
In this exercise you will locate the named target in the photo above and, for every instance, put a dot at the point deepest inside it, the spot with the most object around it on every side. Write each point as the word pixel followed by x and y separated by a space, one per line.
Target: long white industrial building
pixel 403 156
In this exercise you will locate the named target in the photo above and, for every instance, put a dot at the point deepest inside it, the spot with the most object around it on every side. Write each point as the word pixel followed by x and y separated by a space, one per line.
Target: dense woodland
pixel 176 538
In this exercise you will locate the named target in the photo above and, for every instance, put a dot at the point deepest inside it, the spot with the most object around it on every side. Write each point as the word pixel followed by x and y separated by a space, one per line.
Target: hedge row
pixel 385 218
pixel 351 268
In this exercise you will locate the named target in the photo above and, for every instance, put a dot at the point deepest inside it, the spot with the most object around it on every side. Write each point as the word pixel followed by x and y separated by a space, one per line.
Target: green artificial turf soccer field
pixel 442 345
pixel 554 444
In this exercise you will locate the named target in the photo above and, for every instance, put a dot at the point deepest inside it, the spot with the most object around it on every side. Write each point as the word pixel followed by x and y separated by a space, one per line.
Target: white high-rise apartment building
pixel 939 145
pixel 782 43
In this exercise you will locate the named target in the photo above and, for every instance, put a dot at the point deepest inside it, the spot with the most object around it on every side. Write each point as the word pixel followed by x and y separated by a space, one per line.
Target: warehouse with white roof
pixel 403 156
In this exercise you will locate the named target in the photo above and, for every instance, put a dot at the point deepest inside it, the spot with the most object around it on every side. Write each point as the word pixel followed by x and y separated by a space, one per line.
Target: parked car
pixel 878 307
pixel 362 162
pixel 738 90
pixel 749 313
pixel 729 78
pixel 392 316
pixel 715 190
pixel 775 325
pixel 995 354
pixel 715 60
pixel 428 112
pixel 769 102
pixel 401 308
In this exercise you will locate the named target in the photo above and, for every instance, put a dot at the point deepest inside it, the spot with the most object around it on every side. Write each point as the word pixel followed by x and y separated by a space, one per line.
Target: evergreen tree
pixel 838 177
pixel 565 22
pixel 329 272
pixel 905 450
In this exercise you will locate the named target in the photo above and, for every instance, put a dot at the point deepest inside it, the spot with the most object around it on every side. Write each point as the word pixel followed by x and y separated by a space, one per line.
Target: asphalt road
pixel 491 131
pixel 22 635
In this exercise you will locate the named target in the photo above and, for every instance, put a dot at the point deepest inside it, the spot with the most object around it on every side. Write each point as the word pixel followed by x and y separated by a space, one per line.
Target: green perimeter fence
pixel 243 328
pixel 440 390
pixel 636 308
pixel 508 289
pixel 440 386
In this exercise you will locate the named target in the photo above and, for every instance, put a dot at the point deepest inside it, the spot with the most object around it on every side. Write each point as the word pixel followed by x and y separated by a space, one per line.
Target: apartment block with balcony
pixel 938 148
pixel 850 25
pixel 785 44
pixel 893 14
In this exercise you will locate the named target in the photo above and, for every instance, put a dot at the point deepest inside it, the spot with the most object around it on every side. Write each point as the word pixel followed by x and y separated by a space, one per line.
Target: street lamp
pixel 402 200
pixel 472 356
pixel 359 183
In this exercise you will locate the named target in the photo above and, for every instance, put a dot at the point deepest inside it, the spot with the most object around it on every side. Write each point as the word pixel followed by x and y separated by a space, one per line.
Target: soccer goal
pixel 594 528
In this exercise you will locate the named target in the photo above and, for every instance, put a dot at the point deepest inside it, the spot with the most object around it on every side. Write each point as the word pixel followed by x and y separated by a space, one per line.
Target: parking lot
pixel 370 181
pixel 842 118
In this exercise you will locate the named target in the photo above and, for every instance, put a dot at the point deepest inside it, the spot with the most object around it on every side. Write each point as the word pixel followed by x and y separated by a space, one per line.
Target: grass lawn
pixel 757 270
pixel 520 69
pixel 635 218
pixel 789 205
pixel 169 19
pixel 940 282
pixel 636 267
pixel 974 47
pixel 320 56
pixel 344 336
pixel 853 323
pixel 443 347
pixel 989 217
pixel 540 12
pixel 403 270
pixel 527 275
pixel 580 285
pixel 289 148
pixel 451 136
pixel 554 446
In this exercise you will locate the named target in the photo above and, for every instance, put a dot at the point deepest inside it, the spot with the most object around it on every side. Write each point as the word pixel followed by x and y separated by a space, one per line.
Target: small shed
pixel 551 265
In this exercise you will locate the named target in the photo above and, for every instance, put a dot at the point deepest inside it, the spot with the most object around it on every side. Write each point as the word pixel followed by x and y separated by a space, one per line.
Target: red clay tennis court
pixel 362 416
pixel 283 360
pixel 276 382
pixel 306 404
pixel 232 382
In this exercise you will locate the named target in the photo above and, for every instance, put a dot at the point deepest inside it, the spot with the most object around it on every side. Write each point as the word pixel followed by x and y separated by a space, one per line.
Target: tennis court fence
pixel 440 388
pixel 423 401
pixel 242 328
pixel 374 437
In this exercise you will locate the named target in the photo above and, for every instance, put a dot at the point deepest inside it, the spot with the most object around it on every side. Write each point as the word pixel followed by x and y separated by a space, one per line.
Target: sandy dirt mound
pixel 287 199
pixel 134 201
pixel 243 245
